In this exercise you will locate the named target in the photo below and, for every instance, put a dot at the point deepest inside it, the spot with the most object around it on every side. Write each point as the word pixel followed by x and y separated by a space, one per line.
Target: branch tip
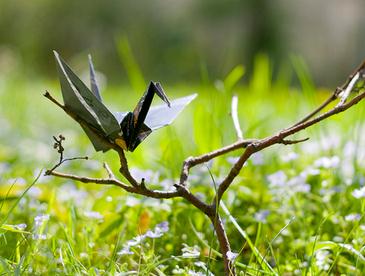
pixel 291 142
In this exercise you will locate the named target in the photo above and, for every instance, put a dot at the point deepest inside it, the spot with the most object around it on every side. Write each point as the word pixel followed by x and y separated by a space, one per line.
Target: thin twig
pixel 338 91
pixel 120 184
pixel 48 172
pixel 329 100
pixel 193 161
pixel 60 149
pixel 229 267
pixel 235 170
pixel 291 142
pixel 197 202
pixel 109 171
pixel 84 179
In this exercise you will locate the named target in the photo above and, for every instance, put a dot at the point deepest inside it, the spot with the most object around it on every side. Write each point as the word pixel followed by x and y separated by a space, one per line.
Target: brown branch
pixel 291 142
pixel 329 100
pixel 83 179
pixel 223 186
pixel 198 203
pixel 279 138
pixel 223 243
pixel 115 182
pixel 334 95
pixel 124 169
pixel 193 161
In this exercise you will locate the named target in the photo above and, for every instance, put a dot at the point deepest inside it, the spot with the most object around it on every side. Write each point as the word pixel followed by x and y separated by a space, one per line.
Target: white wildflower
pixel 19 181
pixel 257 158
pixel 204 267
pixel 232 160
pixel 298 184
pixel 39 237
pixel 178 270
pixel 93 215
pixel 194 273
pixel 4 167
pixel 323 260
pixel 84 255
pixel 20 226
pixel 327 162
pixel 261 216
pixel 337 239
pixel 125 251
pixel 38 220
pixel 231 256
pixel 311 172
pixel 359 193
pixel 277 179
pixel 159 230
pixel 291 156
pixel 34 192
pixel 69 192
pixel 132 201
pixel 190 251
pixel 136 240
pixel 353 217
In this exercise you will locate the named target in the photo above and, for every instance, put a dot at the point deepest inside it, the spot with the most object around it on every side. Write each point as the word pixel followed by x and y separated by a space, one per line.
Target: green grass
pixel 292 205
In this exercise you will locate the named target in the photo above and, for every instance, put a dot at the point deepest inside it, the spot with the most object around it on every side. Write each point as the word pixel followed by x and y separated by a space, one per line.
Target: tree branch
pixel 193 161
pixel 329 100
pixel 223 243
pixel 279 138
pixel 124 169
pixel 115 182
pixel 338 91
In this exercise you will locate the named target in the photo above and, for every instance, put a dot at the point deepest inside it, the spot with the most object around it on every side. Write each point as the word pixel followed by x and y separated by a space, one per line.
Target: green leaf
pixel 112 226
pixel 233 77
pixel 13 228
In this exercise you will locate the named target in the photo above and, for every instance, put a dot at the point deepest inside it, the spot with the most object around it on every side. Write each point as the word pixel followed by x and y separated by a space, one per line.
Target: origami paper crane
pixel 125 129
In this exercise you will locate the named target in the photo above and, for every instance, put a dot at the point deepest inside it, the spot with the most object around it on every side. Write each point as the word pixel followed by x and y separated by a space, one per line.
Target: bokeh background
pixel 183 41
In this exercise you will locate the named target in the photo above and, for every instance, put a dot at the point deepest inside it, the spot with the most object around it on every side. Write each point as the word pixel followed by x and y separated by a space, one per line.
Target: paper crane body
pixel 125 129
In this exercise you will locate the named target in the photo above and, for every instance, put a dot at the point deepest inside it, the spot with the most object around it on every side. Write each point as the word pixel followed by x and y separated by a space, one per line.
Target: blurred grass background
pixel 282 58
pixel 179 41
